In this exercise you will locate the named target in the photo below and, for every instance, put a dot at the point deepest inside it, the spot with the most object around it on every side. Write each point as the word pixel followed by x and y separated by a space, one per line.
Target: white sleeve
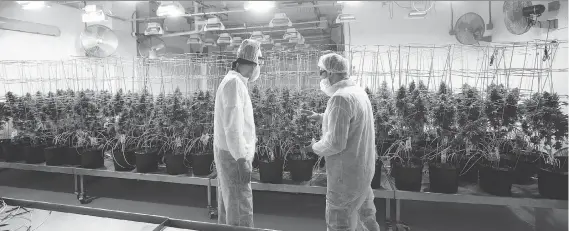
pixel 233 119
pixel 338 120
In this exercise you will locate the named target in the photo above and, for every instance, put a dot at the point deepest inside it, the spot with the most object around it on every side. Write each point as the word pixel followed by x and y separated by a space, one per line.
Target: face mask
pixel 326 87
pixel 256 74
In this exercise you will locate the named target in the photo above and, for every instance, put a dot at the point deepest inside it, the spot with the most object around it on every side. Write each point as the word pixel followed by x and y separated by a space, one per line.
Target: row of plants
pixel 495 138
pixel 140 130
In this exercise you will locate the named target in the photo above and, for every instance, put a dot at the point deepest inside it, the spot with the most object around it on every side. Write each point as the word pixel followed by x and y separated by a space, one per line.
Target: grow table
pixel 469 193
pixel 315 186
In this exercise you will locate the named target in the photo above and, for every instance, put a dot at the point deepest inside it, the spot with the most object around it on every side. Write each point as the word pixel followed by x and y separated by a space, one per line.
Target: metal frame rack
pixel 522 195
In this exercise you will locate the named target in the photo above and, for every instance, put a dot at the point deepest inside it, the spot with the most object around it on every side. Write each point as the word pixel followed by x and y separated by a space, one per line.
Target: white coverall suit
pixel 234 138
pixel 348 144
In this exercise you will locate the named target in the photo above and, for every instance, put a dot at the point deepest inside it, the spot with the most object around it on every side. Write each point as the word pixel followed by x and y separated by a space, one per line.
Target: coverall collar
pixel 342 84
pixel 245 80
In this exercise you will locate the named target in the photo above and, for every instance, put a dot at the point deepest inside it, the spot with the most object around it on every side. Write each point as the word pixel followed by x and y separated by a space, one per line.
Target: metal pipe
pixel 271 31
pixel 121 215
pixel 230 11
pixel 260 27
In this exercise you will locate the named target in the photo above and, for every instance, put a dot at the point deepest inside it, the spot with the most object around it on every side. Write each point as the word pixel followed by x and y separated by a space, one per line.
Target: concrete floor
pixel 280 211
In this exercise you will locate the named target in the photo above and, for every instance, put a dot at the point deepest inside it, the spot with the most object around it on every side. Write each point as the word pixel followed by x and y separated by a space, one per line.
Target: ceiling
pixel 298 12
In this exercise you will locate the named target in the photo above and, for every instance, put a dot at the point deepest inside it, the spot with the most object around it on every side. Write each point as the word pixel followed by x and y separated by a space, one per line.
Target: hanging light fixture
pixel 209 42
pixel 290 33
pixel 257 35
pixel 224 38
pixel 170 9
pixel 297 39
pixel 194 39
pixel 236 41
pixel 93 14
pixel 343 18
pixel 267 40
pixel 153 28
pixel 32 5
pixel 280 19
pixel 213 24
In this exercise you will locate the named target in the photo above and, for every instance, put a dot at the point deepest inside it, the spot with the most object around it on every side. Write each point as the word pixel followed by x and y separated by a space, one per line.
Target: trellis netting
pixel 531 66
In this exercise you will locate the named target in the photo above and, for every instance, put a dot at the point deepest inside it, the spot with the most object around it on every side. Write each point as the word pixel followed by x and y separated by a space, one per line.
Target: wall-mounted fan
pixel 99 41
pixel 151 46
pixel 470 29
pixel 520 16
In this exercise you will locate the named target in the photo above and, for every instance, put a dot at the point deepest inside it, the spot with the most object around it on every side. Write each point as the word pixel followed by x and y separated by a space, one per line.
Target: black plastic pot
pixel 496 181
pixel 201 164
pixel 175 164
pixel 2 143
pixel 271 172
pixel 73 155
pixel 92 159
pixel 34 154
pixel 408 178
pixel 12 153
pixel 376 181
pixel 468 171
pixel 124 161
pixel 524 170
pixel 146 161
pixel 55 156
pixel 301 170
pixel 443 178
pixel 552 184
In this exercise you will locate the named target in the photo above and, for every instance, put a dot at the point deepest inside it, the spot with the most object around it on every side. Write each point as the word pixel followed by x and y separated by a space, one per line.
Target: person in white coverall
pixel 348 145
pixel 234 138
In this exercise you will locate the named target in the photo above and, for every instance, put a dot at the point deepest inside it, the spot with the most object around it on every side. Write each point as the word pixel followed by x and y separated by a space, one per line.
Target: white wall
pixel 375 25
pixel 47 65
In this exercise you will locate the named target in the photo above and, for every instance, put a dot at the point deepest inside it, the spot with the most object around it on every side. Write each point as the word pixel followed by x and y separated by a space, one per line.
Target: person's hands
pixel 311 115
pixel 245 169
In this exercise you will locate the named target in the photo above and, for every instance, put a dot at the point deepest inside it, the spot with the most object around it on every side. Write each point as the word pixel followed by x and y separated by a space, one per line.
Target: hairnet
pixel 333 63
pixel 249 50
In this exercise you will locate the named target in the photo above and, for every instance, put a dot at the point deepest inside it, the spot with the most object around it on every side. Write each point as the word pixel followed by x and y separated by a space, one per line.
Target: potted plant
pixel 149 141
pixel 495 176
pixel 5 114
pixel 53 109
pixel 201 147
pixel 409 150
pixel 274 136
pixel 120 124
pixel 546 125
pixel 471 128
pixel 16 112
pixel 34 129
pixel 173 116
pixel 301 164
pixel 384 116
pixel 88 137
pixel 443 164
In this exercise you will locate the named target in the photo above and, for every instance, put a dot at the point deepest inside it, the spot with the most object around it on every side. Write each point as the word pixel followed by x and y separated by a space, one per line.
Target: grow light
pixel 236 41
pixel 224 38
pixel 209 42
pixel 417 15
pixel 213 24
pixel 342 18
pixel 92 14
pixel 298 39
pixel 267 40
pixel 257 35
pixel 259 6
pixel 32 5
pixel 280 19
pixel 290 33
pixel 153 28
pixel 170 8
pixel 194 39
